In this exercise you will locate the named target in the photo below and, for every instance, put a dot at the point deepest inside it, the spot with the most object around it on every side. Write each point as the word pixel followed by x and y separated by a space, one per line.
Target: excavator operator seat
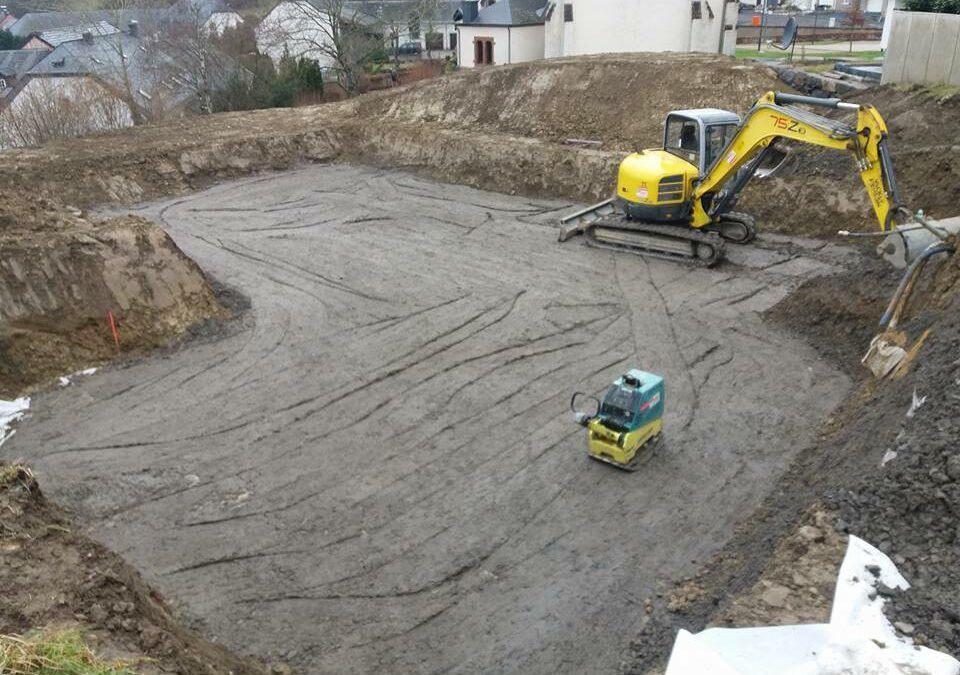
pixel 699 136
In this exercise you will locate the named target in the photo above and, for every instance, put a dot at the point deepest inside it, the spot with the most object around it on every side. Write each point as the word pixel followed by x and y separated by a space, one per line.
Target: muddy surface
pixel 777 566
pixel 376 469
pixel 51 575
pixel 63 274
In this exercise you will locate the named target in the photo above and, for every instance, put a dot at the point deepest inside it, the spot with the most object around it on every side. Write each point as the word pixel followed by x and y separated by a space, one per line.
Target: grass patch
pixel 13 472
pixel 54 653
pixel 799 53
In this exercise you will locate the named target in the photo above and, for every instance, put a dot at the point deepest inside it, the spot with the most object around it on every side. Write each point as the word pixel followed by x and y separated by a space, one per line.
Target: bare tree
pixel 426 12
pixel 48 109
pixel 337 34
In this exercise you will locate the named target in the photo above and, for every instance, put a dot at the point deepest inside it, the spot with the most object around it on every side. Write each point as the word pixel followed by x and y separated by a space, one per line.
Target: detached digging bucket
pixel 909 246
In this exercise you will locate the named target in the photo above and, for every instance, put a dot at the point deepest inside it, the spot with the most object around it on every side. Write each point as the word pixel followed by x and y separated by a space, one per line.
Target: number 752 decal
pixel 788 124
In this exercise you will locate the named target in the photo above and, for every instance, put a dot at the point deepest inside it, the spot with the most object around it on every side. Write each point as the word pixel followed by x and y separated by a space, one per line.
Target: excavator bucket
pixel 773 159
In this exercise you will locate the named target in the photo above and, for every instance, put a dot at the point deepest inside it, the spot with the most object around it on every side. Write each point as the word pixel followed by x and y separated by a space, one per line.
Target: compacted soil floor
pixel 374 468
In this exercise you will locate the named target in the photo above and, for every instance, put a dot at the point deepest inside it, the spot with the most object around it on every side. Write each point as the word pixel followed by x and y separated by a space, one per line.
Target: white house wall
pixel 295 28
pixel 603 26
pixel 526 43
pixel 500 36
pixel 60 107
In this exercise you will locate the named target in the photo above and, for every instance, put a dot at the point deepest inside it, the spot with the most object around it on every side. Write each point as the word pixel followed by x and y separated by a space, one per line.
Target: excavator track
pixel 670 242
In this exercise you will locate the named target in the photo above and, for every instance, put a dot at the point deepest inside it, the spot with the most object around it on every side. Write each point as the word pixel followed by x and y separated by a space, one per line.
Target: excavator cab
pixel 629 416
pixel 699 136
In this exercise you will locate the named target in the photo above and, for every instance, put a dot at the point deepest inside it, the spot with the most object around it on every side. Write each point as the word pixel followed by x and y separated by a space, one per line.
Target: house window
pixel 3 83
pixel 434 41
pixel 697 9
pixel 482 51
pixel 568 12
pixel 453 42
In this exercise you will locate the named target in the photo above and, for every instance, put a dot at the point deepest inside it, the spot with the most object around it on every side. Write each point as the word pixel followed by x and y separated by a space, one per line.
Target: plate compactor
pixel 629 417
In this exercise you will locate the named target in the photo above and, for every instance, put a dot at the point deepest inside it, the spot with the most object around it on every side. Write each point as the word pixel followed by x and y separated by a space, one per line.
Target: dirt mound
pixel 52 576
pixel 468 128
pixel 62 273
pixel 620 99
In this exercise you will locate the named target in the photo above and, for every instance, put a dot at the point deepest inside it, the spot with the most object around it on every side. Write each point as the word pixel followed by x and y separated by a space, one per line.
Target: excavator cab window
pixel 683 138
pixel 718 138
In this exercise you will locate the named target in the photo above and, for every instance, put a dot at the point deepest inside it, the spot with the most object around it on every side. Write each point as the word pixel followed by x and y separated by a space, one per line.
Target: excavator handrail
pixel 781 98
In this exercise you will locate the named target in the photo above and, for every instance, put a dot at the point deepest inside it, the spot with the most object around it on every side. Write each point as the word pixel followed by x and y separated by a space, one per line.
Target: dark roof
pixel 510 13
pixel 203 9
pixel 16 62
pixel 391 11
pixel 38 22
pixel 57 37
pixel 153 68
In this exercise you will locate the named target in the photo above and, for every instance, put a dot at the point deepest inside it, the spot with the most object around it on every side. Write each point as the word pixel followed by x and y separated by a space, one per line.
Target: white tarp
pixel 858 640
pixel 10 412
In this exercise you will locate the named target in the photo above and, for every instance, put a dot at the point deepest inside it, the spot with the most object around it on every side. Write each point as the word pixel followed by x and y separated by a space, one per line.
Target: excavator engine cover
pixel 629 417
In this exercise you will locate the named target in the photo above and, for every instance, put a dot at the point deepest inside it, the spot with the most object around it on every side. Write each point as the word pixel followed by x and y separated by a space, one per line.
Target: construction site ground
pixel 377 466
pixel 371 466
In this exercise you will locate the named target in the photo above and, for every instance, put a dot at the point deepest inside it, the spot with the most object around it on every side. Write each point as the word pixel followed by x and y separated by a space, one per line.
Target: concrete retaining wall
pixel 924 49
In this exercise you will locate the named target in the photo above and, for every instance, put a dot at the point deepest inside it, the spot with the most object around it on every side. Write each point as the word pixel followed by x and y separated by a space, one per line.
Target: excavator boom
pixel 773 118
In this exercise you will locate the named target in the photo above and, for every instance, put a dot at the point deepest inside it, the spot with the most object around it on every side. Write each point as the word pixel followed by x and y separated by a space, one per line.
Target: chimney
pixel 88 37
pixel 469 9
pixel 134 27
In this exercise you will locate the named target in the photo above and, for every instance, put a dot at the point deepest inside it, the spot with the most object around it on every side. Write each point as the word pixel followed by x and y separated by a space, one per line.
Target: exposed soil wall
pixel 777 569
pixel 60 275
pixel 503 129
pixel 53 576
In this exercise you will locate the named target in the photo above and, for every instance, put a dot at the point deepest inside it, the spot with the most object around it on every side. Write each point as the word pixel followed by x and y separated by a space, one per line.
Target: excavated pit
pixel 373 468
pixel 380 468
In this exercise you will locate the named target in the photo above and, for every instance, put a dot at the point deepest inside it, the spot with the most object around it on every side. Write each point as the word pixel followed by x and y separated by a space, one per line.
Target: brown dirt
pixel 62 272
pixel 52 576
pixel 468 128
pixel 906 508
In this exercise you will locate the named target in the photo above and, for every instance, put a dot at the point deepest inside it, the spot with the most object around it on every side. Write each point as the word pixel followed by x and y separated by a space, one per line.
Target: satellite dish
pixel 789 35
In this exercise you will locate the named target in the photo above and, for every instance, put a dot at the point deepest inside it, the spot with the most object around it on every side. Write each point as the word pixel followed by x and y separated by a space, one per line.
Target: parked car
pixel 410 48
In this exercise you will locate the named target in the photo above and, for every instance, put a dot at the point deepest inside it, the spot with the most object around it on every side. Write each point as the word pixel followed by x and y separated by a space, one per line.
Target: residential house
pixel 39 22
pixel 112 81
pixel 214 16
pixel 301 28
pixel 14 66
pixel 6 18
pixel 51 39
pixel 502 32
pixel 579 27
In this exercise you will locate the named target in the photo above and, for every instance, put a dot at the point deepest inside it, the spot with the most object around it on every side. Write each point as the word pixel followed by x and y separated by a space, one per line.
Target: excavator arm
pixel 773 118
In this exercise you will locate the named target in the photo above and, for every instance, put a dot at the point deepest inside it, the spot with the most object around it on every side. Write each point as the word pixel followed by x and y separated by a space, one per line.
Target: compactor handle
pixel 785 99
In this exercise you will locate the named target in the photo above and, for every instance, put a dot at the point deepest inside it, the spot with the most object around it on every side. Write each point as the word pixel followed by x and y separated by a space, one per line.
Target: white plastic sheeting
pixel 10 412
pixel 67 380
pixel 858 640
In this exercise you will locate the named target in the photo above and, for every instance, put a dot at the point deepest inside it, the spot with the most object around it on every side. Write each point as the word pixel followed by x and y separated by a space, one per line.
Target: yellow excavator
pixel 678 201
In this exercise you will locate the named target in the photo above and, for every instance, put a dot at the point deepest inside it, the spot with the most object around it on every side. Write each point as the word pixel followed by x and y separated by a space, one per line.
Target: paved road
pixel 375 471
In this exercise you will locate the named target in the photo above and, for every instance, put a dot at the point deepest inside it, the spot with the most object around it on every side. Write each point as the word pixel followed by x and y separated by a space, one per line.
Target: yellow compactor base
pixel 602 443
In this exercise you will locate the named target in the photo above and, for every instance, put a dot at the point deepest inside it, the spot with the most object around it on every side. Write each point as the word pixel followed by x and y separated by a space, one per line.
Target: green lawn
pixel 768 53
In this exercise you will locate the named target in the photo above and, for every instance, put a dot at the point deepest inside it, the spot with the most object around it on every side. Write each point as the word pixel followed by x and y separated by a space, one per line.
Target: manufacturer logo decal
pixel 642 193
pixel 652 402
pixel 731 157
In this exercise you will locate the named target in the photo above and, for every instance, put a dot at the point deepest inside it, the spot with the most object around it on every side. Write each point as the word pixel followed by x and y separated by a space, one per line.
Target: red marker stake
pixel 113 329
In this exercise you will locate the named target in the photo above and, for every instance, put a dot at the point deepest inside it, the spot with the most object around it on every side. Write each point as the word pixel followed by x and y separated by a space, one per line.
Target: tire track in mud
pixel 383 448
